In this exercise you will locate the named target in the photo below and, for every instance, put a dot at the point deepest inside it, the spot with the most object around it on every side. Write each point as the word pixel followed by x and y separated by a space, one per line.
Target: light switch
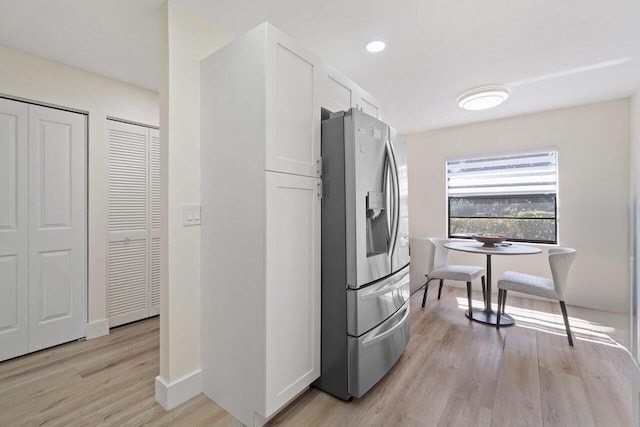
pixel 190 215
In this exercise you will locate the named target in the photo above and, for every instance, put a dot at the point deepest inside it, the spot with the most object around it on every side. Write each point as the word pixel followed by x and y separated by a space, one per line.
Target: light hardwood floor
pixel 454 373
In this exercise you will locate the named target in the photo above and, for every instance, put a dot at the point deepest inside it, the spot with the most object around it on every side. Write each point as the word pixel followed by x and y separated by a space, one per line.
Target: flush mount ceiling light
pixel 482 98
pixel 375 46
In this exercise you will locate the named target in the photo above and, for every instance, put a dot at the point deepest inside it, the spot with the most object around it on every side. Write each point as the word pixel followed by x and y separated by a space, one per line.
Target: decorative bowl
pixel 489 240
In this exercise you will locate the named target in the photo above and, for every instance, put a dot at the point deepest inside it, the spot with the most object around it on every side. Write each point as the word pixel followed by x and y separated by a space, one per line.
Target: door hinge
pixel 320 188
pixel 319 166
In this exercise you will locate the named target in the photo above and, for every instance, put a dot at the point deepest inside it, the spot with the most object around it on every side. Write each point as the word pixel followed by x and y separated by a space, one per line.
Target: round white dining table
pixel 487 315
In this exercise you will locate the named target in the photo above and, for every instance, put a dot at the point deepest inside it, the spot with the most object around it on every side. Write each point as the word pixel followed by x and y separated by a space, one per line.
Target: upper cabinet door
pixel 368 104
pixel 339 93
pixel 293 108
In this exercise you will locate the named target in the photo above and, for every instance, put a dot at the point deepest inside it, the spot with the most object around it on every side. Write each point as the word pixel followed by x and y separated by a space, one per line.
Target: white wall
pixel 186 40
pixel 593 167
pixel 36 79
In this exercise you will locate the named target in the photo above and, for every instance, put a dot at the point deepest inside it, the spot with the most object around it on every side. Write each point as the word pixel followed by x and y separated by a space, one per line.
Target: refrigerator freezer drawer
pixel 374 353
pixel 371 305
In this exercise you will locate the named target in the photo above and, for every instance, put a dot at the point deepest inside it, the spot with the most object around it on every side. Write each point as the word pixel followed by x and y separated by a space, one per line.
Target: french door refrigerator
pixel 365 256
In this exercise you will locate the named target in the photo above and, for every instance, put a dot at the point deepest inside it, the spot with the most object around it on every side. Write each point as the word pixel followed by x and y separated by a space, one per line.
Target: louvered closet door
pixel 154 179
pixel 133 251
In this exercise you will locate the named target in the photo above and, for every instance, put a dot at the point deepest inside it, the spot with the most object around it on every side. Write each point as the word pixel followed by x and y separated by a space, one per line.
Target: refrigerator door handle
pixel 389 197
pixel 385 334
pixel 395 198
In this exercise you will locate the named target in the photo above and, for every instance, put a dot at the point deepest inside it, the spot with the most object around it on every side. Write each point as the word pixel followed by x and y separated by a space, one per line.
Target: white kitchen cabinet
pixel 273 84
pixel 339 93
pixel 260 194
pixel 291 106
pixel 292 286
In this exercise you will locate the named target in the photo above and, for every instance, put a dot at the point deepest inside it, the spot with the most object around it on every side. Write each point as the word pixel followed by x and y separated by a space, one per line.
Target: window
pixel 513 195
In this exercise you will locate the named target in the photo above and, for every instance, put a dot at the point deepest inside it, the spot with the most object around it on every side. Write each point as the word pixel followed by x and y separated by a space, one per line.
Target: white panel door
pixel 133 253
pixel 14 230
pixel 293 286
pixel 57 226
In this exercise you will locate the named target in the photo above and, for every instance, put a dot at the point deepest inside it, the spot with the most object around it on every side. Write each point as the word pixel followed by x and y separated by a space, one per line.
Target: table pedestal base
pixel 490 318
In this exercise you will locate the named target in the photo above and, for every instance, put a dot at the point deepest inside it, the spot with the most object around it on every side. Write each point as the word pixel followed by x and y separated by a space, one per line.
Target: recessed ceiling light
pixel 375 46
pixel 483 98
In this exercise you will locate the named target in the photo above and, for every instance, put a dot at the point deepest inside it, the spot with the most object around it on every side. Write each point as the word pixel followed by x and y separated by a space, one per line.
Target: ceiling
pixel 550 53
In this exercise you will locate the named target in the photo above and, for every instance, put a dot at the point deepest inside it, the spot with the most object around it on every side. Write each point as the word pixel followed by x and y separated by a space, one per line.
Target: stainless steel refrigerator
pixel 365 253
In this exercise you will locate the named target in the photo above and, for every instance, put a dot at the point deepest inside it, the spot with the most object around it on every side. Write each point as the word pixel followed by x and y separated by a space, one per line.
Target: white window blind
pixel 513 174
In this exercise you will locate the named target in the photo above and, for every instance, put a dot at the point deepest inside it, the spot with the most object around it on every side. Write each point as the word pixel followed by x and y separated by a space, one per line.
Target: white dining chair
pixel 560 261
pixel 437 258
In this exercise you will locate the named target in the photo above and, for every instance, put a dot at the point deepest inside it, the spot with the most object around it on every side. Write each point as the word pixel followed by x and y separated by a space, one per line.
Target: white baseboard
pixel 171 395
pixel 97 328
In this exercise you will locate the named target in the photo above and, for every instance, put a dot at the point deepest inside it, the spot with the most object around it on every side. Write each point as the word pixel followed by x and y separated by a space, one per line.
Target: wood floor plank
pixel 315 409
pixel 400 420
pixel 608 392
pixel 454 372
pixel 481 368
pixel 459 412
pixel 564 401
pixel 434 383
pixel 556 355
pixel 518 389
pixel 197 412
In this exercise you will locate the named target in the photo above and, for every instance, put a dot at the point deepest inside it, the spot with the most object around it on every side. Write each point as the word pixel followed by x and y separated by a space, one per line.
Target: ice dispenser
pixel 376 224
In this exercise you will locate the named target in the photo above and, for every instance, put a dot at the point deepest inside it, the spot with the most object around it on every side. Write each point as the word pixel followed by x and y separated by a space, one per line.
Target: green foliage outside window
pixel 529 218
